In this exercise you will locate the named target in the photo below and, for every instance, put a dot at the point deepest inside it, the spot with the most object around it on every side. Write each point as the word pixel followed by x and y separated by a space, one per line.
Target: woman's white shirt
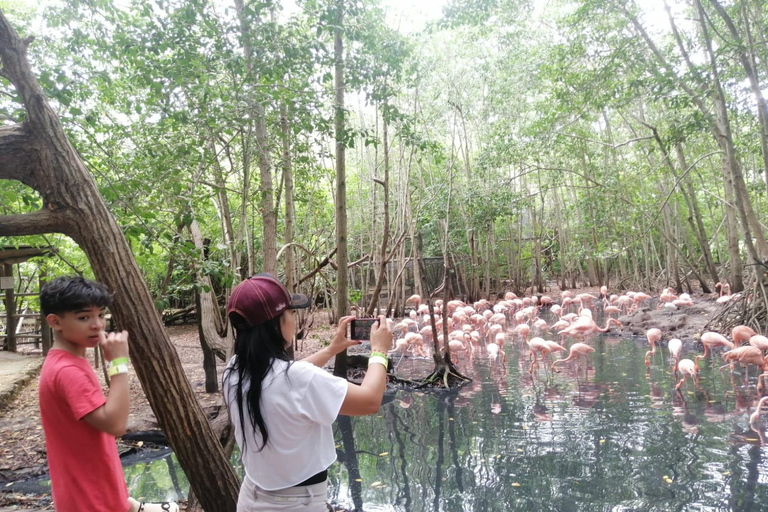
pixel 299 404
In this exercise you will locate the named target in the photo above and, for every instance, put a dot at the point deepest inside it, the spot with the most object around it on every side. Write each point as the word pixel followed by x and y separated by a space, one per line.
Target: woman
pixel 282 410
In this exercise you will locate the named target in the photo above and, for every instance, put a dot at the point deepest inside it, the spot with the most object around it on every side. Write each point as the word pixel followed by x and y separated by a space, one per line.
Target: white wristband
pixel 378 360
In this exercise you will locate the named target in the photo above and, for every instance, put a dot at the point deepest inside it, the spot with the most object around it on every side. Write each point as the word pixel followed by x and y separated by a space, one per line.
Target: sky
pixel 409 16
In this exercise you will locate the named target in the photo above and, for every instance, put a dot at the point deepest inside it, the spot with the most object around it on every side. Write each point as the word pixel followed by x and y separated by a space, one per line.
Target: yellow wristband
pixel 377 353
pixel 378 360
pixel 118 360
pixel 117 369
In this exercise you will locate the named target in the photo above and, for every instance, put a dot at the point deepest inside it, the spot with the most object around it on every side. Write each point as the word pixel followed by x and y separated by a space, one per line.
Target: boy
pixel 80 424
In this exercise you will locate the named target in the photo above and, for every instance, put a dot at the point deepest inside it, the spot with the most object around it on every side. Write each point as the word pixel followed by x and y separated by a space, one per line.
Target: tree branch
pixel 13 52
pixel 37 223
pixel 18 158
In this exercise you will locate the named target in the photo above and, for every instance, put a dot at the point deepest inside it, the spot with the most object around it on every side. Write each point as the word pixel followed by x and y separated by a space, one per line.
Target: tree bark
pixel 69 192
pixel 734 255
pixel 266 190
pixel 372 307
pixel 342 295
pixel 210 341
pixel 745 53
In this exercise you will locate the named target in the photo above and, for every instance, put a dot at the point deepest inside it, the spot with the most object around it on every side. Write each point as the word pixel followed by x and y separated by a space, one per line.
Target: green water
pixel 614 438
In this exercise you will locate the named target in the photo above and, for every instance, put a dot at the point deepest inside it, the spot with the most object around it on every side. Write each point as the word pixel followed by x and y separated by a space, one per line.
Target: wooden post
pixel 10 310
pixel 45 330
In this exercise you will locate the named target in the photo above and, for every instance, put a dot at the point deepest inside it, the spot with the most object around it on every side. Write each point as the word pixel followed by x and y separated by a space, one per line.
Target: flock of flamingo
pixel 481 329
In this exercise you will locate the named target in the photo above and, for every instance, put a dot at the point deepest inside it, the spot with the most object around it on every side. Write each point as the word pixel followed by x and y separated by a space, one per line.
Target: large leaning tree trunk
pixel 38 154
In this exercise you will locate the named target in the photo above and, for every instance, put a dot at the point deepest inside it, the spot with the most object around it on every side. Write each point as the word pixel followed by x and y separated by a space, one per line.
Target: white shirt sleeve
pixel 324 396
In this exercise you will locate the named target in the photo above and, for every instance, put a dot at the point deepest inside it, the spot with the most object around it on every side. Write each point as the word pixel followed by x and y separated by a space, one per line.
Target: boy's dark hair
pixel 66 293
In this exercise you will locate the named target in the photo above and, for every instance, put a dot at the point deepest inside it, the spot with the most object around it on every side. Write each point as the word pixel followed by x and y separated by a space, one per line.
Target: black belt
pixel 315 479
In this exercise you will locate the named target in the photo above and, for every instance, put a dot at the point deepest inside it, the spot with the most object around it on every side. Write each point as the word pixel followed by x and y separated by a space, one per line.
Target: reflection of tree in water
pixel 395 423
pixel 440 456
pixel 454 446
pixel 348 456
pixel 174 476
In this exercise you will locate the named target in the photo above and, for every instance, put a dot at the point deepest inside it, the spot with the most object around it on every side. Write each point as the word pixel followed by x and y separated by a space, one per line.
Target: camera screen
pixel 361 328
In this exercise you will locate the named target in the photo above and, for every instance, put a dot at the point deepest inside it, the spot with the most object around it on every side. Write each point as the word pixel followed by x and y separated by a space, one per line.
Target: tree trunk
pixel 38 154
pixel 342 295
pixel 291 272
pixel 697 223
pixel 266 190
pixel 206 309
pixel 373 305
pixel 734 255
pixel 746 53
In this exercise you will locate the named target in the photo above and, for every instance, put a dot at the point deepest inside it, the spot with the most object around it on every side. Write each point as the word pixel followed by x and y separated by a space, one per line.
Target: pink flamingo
pixel 585 326
pixel 414 300
pixel 741 334
pixel 577 350
pixel 759 341
pixel 653 335
pixel 543 347
pixel 675 346
pixel 687 367
pixel 745 355
pixel 500 338
pixel 711 340
pixel 523 330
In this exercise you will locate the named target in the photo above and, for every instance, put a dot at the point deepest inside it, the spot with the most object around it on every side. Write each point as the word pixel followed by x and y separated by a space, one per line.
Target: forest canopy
pixel 569 142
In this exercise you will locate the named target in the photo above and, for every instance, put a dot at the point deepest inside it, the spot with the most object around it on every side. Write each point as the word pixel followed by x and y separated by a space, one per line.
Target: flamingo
pixel 742 333
pixel 653 335
pixel 759 341
pixel 413 299
pixel 499 340
pixel 584 326
pixel 543 347
pixel 711 340
pixel 577 350
pixel 493 351
pixel 675 346
pixel 523 330
pixel 746 355
pixel 687 367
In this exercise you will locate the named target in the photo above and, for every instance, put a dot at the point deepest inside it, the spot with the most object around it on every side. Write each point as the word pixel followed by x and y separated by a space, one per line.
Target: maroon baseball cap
pixel 262 298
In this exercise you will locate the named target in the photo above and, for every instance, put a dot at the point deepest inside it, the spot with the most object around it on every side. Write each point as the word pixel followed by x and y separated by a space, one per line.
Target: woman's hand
pixel 381 335
pixel 340 342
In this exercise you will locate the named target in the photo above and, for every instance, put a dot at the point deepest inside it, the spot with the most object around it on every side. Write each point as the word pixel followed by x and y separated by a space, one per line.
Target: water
pixel 614 438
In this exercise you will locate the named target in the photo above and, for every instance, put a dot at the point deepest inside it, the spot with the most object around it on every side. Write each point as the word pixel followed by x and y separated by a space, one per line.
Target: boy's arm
pixel 112 417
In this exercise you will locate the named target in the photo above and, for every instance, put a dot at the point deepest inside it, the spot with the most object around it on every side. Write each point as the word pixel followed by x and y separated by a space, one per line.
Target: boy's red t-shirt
pixel 85 468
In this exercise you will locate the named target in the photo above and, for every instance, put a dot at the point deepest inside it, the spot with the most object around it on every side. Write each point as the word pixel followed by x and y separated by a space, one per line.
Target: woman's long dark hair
pixel 256 348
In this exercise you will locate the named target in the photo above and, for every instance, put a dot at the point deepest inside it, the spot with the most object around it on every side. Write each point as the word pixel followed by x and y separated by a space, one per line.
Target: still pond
pixel 616 437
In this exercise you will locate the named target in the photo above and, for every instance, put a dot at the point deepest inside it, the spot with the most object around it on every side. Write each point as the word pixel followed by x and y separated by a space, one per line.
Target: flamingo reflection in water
pixel 754 419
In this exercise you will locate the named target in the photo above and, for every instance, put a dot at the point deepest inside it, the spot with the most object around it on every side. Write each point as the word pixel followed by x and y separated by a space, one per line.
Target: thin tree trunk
pixel 734 255
pixel 696 219
pixel 372 307
pixel 342 295
pixel 266 190
pixel 206 308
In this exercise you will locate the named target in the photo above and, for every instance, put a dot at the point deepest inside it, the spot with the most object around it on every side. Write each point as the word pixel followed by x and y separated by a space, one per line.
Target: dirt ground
pixel 22 449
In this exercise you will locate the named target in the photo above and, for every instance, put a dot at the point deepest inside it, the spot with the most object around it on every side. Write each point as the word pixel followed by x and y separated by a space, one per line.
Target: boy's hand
pixel 114 344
